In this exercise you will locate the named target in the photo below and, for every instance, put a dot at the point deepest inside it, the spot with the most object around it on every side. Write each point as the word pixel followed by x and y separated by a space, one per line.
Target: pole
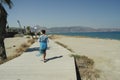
pixel 19 25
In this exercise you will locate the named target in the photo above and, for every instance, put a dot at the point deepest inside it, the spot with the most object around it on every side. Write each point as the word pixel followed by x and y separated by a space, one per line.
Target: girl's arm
pixel 39 39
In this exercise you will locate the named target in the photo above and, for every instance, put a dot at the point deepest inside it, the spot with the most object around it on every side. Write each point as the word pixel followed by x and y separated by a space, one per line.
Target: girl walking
pixel 43 39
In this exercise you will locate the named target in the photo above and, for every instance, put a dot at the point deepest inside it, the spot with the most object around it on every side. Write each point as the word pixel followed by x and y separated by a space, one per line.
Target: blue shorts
pixel 43 47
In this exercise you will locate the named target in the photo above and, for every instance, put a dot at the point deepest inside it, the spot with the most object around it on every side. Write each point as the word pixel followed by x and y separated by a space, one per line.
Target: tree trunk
pixel 3 21
pixel 2 48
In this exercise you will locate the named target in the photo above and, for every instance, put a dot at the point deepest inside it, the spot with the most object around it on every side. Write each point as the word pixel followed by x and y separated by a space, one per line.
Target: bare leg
pixel 44 56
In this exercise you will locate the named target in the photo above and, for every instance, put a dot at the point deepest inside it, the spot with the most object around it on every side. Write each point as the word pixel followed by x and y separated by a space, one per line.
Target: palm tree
pixel 3 22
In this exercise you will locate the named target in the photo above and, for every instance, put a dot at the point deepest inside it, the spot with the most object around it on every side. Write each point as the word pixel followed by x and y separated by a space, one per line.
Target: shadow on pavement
pixel 32 49
pixel 52 58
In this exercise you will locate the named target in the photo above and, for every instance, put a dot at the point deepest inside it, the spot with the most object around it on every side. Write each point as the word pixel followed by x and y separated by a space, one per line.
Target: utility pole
pixel 19 26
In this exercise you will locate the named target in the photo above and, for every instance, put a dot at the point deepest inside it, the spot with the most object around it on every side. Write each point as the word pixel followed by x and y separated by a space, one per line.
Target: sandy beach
pixel 104 52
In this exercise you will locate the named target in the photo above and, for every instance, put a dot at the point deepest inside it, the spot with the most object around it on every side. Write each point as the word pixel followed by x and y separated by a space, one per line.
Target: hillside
pixel 75 29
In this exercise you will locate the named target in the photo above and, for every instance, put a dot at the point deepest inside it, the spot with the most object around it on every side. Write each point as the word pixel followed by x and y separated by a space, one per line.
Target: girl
pixel 43 39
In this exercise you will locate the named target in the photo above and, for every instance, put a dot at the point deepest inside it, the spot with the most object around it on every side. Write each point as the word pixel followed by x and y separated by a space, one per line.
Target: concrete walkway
pixel 60 66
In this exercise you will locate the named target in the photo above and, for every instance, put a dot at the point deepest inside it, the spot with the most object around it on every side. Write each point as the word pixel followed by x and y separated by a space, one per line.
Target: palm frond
pixel 2 10
pixel 8 2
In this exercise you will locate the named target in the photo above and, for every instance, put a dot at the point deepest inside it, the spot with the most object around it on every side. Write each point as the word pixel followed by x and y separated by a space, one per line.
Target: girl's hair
pixel 43 31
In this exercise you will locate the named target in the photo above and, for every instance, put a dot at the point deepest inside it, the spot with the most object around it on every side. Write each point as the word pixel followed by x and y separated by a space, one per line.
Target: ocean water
pixel 103 35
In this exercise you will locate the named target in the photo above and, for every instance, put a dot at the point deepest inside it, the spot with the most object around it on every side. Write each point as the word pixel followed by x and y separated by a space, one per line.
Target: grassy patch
pixel 31 41
pixel 86 67
pixel 24 46
pixel 65 46
pixel 19 50
pixel 28 37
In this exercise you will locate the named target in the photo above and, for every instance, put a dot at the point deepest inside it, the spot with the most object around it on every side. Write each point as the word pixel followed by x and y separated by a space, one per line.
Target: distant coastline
pixel 81 29
pixel 103 35
pixel 73 29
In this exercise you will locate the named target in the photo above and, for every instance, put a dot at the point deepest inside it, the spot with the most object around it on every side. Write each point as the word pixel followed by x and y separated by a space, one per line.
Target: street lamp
pixel 35 29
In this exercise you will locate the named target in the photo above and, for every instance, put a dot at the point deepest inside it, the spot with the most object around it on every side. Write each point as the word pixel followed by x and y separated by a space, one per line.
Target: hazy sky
pixel 57 13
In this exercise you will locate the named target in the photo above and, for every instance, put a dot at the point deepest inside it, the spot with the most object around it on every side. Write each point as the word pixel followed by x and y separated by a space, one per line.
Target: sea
pixel 103 35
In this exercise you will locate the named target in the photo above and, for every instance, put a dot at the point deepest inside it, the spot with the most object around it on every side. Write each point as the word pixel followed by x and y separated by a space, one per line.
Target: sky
pixel 65 13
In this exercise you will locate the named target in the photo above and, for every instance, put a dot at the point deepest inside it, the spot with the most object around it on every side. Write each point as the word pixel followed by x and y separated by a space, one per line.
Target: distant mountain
pixel 74 29
pixel 107 29
pixel 71 29
pixel 80 29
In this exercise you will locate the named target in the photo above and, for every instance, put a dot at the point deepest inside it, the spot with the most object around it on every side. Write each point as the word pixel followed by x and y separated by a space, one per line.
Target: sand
pixel 11 44
pixel 104 52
